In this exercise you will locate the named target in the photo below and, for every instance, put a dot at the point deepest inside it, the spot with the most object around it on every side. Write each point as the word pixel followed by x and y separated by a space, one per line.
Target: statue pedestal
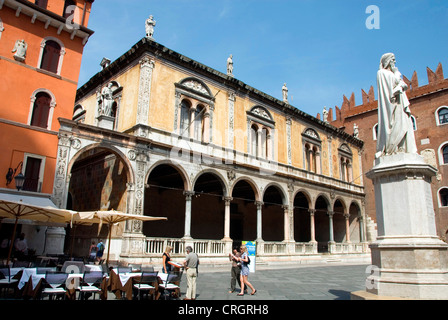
pixel 106 122
pixel 412 261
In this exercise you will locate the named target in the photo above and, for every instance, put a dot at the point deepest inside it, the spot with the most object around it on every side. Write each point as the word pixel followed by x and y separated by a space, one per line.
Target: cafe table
pixel 30 283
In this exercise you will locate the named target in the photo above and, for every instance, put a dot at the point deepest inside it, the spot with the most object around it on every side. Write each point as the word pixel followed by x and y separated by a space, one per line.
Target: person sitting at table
pixel 166 267
pixel 21 247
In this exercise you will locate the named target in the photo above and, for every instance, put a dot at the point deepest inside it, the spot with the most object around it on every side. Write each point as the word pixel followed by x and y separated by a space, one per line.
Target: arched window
pixel 346 163
pixel 443 197
pixel 445 154
pixel 41 110
pixel 442 115
pixel 262 129
pixel 312 147
pixel 52 53
pixel 50 56
pixel 79 113
pixel 42 106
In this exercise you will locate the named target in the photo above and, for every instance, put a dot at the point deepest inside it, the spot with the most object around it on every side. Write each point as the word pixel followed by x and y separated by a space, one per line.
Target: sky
pixel 321 49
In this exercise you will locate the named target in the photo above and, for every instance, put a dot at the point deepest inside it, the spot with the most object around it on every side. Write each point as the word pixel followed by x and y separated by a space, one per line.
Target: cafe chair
pixel 148 269
pixel 21 264
pixel 6 280
pixel 73 267
pixel 136 267
pixel 54 284
pixel 124 269
pixel 44 270
pixel 90 284
pixel 146 284
pixel 169 286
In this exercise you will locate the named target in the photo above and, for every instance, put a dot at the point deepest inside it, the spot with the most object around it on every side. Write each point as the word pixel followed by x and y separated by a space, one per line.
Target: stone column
pixel 227 200
pixel 330 221
pixel 312 212
pixel 287 236
pixel 259 205
pixel 347 227
pixel 361 228
pixel 188 197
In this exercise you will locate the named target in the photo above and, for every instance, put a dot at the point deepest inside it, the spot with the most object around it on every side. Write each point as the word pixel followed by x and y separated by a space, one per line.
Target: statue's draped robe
pixel 395 128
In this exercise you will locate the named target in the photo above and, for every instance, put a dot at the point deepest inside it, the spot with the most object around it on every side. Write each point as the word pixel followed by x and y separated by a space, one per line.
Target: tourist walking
pixel 236 269
pixel 166 267
pixel 191 265
pixel 245 271
pixel 100 251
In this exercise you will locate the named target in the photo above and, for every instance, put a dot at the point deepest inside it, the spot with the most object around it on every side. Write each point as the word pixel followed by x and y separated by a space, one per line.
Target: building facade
pixel 157 133
pixel 41 47
pixel 429 107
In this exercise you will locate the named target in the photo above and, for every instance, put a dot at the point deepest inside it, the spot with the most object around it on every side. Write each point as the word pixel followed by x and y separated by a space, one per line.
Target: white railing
pixel 346 248
pixel 157 246
pixel 305 248
pixel 274 248
pixel 217 248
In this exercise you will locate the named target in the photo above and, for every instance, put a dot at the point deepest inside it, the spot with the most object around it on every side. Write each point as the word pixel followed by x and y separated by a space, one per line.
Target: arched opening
pixel 207 218
pixel 273 215
pixel 243 213
pixel 165 198
pixel 339 225
pixel 322 224
pixel 98 181
pixel 355 226
pixel 302 220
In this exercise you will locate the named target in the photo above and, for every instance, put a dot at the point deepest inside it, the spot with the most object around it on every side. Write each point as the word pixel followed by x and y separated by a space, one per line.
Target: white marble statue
pixel 230 65
pixel 107 101
pixel 355 131
pixel 20 50
pixel 325 114
pixel 285 93
pixel 395 129
pixel 149 26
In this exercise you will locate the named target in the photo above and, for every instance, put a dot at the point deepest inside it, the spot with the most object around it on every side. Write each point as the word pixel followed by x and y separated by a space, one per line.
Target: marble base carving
pixel 409 259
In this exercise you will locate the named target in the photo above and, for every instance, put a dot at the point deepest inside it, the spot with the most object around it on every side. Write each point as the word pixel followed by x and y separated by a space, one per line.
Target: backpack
pixel 100 246
pixel 248 260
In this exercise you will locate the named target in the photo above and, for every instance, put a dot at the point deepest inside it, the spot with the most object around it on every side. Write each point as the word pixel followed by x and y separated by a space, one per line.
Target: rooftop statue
pixel 150 24
pixel 230 65
pixel 395 129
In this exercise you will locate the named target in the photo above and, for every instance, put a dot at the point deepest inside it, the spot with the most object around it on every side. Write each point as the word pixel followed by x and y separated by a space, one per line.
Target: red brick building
pixel 429 107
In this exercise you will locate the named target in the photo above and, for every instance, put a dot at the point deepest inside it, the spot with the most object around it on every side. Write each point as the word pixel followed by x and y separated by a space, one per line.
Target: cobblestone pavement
pixel 329 282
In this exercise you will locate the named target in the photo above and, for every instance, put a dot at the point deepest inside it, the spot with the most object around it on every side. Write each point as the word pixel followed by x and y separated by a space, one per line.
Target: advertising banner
pixel 252 251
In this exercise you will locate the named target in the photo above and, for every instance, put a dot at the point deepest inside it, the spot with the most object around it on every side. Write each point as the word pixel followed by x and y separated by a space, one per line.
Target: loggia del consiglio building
pixel 157 133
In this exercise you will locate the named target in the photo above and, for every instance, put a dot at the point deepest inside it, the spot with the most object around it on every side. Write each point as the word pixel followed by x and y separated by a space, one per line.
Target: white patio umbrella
pixel 21 210
pixel 110 218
